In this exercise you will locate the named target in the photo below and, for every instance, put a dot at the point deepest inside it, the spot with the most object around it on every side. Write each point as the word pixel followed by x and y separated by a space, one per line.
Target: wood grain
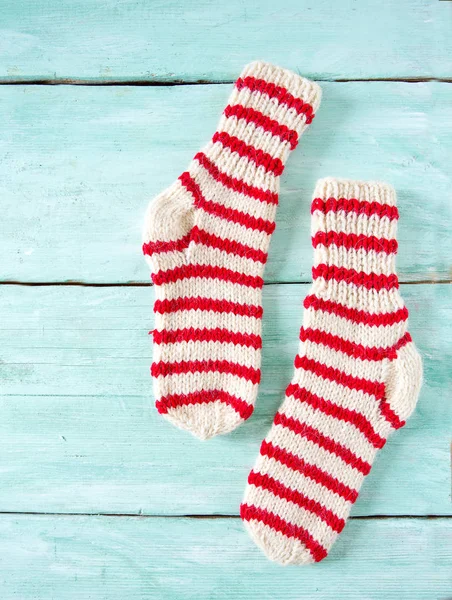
pixel 50 557
pixel 78 166
pixel 79 432
pixel 87 40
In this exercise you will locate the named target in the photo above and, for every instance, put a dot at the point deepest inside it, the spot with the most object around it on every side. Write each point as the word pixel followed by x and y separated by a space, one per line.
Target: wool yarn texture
pixel 206 240
pixel 357 378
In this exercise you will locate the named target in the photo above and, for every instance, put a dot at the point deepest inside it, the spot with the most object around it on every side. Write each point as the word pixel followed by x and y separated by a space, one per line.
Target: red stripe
pixel 341 345
pixel 357 242
pixel 385 407
pixel 167 403
pixel 278 489
pixel 325 442
pixel 237 185
pixel 404 340
pixel 338 412
pixel 252 513
pixel 374 388
pixel 254 116
pixel 360 207
pixel 207 304
pixel 301 466
pixel 224 336
pixel 259 157
pixel 205 366
pixel 390 416
pixel 206 272
pixel 230 246
pixel 357 316
pixel 370 281
pixel 219 210
pixel 158 247
pixel 280 93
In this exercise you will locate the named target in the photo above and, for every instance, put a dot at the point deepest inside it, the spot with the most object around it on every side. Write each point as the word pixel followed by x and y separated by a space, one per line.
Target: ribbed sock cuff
pixel 295 85
pixel 267 112
pixel 364 191
pixel 354 227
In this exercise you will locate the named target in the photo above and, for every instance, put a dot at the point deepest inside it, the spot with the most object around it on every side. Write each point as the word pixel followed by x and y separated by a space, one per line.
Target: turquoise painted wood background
pixel 100 499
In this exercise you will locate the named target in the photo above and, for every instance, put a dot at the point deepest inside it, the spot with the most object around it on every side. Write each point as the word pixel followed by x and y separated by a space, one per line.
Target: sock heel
pixel 168 222
pixel 404 381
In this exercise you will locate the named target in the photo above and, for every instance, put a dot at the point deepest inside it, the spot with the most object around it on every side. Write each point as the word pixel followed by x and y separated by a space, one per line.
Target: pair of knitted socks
pixel 357 373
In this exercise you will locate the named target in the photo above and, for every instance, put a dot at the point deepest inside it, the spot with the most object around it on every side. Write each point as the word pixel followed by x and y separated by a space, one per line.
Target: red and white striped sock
pixel 357 378
pixel 206 240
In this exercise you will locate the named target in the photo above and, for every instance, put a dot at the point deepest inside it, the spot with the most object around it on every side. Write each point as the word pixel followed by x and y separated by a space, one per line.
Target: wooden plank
pixel 212 40
pixel 107 558
pixel 78 166
pixel 79 432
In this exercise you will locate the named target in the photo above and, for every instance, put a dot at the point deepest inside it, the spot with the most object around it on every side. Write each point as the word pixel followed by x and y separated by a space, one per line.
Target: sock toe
pixel 276 546
pixel 205 420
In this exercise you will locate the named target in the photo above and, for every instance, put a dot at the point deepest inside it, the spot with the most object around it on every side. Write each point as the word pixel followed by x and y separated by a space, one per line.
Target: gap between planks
pixel 203 517
pixel 144 284
pixel 181 82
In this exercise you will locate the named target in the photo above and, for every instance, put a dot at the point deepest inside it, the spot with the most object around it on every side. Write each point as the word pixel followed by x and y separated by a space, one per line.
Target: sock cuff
pixel 267 112
pixel 292 83
pixel 353 189
pixel 354 227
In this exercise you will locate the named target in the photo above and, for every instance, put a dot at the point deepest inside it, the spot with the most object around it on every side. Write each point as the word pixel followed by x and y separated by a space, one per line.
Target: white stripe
pixel 358 296
pixel 163 261
pixel 215 289
pixel 359 259
pixel 381 302
pixel 370 191
pixel 211 320
pixel 205 255
pixel 351 222
pixel 196 350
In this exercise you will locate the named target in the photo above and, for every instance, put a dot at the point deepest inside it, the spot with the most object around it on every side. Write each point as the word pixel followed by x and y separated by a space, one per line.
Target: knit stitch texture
pixel 357 378
pixel 206 240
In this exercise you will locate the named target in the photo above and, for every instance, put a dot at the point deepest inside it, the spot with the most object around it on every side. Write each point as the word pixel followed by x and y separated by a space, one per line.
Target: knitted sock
pixel 206 240
pixel 357 378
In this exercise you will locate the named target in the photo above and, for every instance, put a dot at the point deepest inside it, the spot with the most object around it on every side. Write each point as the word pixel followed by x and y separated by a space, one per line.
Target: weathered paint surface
pixel 112 558
pixel 79 435
pixel 79 165
pixel 79 432
pixel 211 40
